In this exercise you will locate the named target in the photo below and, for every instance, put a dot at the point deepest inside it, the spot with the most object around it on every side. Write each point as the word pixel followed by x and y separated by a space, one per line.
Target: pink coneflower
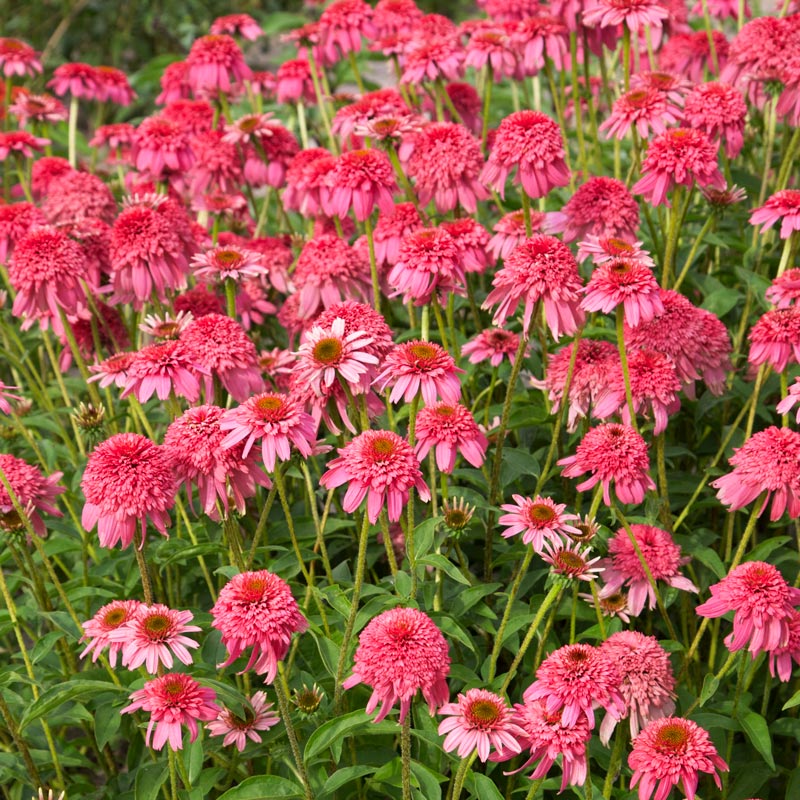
pixel 18 58
pixel 117 137
pixel 788 402
pixel 472 240
pixel 571 560
pixel 161 369
pixel 305 177
pixel 783 292
pixel 784 206
pixel 491 44
pixel 45 170
pixel 681 156
pixel 648 110
pixel 538 36
pixel 161 147
pixel 615 605
pixel 635 14
pixel 341 26
pixel 611 452
pixel 625 282
pixel 166 326
pixel 112 371
pixel 624 568
pixel 467 103
pixel 548 737
pixel 106 620
pixel 173 700
pixel 390 231
pixel 775 338
pixel 595 359
pixel 654 385
pixel 361 180
pixel 77 79
pixel 193 116
pixel 424 368
pixel 380 103
pixel 671 752
pixel 256 609
pixel 541 268
pixel 240 24
pixel 432 57
pixel 33 491
pixel 45 270
pixel 16 220
pixel 395 16
pixel 217 165
pixel 769 463
pixel 448 430
pixel 532 142
pixel 295 82
pixel 399 652
pixel 114 86
pixel 5 396
pixel 152 635
pixel 174 85
pixel 600 207
pixel 37 107
pixel 21 144
pixel 278 420
pixel 689 54
pixel 127 479
pixel 492 345
pixel 610 248
pixel 380 466
pixel 762 602
pixel 330 352
pixel 228 261
pixel 479 720
pixel 360 317
pixel 78 196
pixel 719 110
pixel 509 232
pixel 781 657
pixel 429 261
pixel 576 679
pixel 258 716
pixel 537 519
pixel 215 62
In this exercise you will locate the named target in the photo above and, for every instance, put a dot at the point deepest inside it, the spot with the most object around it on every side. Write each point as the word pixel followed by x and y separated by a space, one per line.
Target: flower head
pixel 98 629
pixel 359 180
pixel 571 560
pixel 33 492
pixel 781 657
pixel 18 58
pixel 449 429
pixel 646 110
pixel 635 14
pixel 424 368
pixel 215 62
pixel 720 110
pixel 538 519
pixel 257 716
pixel 626 282
pixel 399 652
pixel 493 345
pixel 784 206
pixel 246 27
pixel 162 369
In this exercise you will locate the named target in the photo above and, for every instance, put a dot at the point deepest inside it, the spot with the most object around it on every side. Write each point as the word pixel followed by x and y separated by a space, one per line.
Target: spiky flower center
pixel 483 712
pixel 328 351
pixel 672 737
pixel 569 563
pixel 268 407
pixel 173 686
pixel 157 624
pixel 382 447
pixel 445 411
pixel 253 589
pixel 422 352
pixel 541 514
pixel 225 258
pixel 614 602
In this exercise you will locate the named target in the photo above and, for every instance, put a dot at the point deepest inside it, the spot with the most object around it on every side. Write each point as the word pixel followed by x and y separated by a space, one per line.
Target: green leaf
pixel 757 730
pixel 107 720
pixel 448 567
pixel 516 463
pixel 345 775
pixel 329 652
pixel 262 787
pixel 721 301
pixel 428 781
pixel 764 549
pixel 44 645
pixel 333 730
pixel 228 695
pixel 193 759
pixel 469 597
pixel 793 701
pixel 710 686
pixel 483 787
pixel 63 693
pixel 709 558
pixel 424 535
pixel 149 780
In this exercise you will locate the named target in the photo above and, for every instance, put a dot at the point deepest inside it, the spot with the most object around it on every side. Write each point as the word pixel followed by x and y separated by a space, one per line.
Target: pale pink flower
pixel 400 652
pixel 449 429
pixel 424 368
pixel 782 293
pixel 258 716
pixel 173 700
pixel 628 283
pixel 38 108
pixel 479 720
pixel 114 370
pixel 538 519
pixel 492 345
pixel 571 560
pixel 228 261
pixel 106 620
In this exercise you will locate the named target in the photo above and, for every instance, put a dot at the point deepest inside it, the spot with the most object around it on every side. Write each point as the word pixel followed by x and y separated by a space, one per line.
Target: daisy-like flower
pixel 782 293
pixel 18 58
pixel 611 452
pixel 162 368
pixel 327 353
pixel 784 206
pixel 577 679
pixel 173 700
pixel 775 338
pixel 648 685
pixel 492 345
pixel 166 326
pixel 425 368
pixel 278 420
pixel 113 370
pixel 767 463
pixel 547 737
pixel 600 207
pixel 541 268
pixel 682 156
pixel 127 479
pixel 106 620
pixel 230 261
pixel 538 36
pixel 720 110
pixel 762 602
pixel 77 79
pixel 615 605
pixel 114 86
pixel 242 25
pixel 672 752
pixel 630 283
pixel 257 716
pixel 538 519
pixel 654 385
pixel 611 248
pixel 378 465
pixel 781 657
pixel 37 107
pixel 532 142
pixel 294 82
pixel 152 635
pixel 359 180
pixel 400 652
pixel 33 491
pixel 448 430
pixel 256 609
pixel 361 317
pixel 5 396
pixel 571 560
pixel 509 232
pixel 647 110
pixel 479 720
pixel 20 143
pixel 215 62
pixel 624 568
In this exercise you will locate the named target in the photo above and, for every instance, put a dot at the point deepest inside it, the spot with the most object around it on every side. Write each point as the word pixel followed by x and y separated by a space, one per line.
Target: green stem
pixel 673 234
pixel 623 357
pixel 72 135
pixel 351 57
pixel 405 755
pixel 141 562
pixel 461 775
pixel 373 265
pixel 282 693
pixel 487 99
pixel 693 252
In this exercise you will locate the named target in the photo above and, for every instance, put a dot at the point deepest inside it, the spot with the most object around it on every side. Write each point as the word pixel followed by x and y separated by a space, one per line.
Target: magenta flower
pixel 359 180
pixel 537 519
pixel 424 368
pixel 243 25
pixel 215 62
pixel 646 110
pixel 720 110
pixel 448 430
pixel 492 345
pixel 18 58
pixel 259 716
pixel 784 206
pixel 162 369
pixel 624 282
pixel 34 492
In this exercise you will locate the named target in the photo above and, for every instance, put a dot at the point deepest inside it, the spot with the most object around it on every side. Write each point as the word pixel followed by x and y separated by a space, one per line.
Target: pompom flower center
pixel 253 589
pixel 382 447
pixel 327 351
pixel 173 687
pixel 621 267
pixel 673 737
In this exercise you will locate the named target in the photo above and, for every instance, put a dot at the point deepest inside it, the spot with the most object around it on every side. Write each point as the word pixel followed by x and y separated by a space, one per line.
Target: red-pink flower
pixel 719 110
pixel 571 560
pixel 243 25
pixel 20 143
pixel 541 268
pixel 623 567
pixel 16 220
pixel 577 679
pixel 538 519
pixel 490 44
pixel 395 16
pixel 76 78
pixel 113 370
pixel 152 635
pixel 174 85
pixel 256 609
pixel 278 420
pixel 635 14
pixel 532 142
pixel 782 293
pixel 5 396
pixel 611 452
pixel 610 248
pixel 78 196
pixel 229 261
pixel 788 402
pixel 670 752
pixel 295 82
pixel 173 700
pixel 114 86
pixel 127 479
pixel 682 156
pixel 432 57
pixel 626 282
pixel 648 110
pixel 767 463
pixel 161 369
pixel 33 491
pixel 378 465
pixel 784 206
pixel 399 652
pixel 538 35
pixel 341 26
pixel 18 58
pixel 479 720
pixel 215 62
pixel 492 345
pixel 162 148
pixel 390 231
pixel 449 429
pixel 106 620
pixel 258 716
pixel 509 232
pixel 38 108
pixel 361 180
pixel 424 368
pixel 775 338
pixel 781 657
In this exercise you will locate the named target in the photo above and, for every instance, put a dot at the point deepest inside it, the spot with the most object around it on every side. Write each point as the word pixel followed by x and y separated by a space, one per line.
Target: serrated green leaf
pixel 757 730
